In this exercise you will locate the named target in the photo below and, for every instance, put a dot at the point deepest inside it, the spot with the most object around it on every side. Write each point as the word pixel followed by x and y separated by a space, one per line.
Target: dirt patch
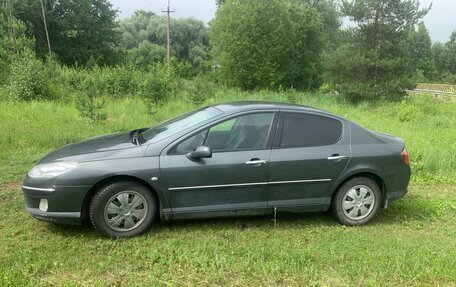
pixel 9 192
pixel 11 185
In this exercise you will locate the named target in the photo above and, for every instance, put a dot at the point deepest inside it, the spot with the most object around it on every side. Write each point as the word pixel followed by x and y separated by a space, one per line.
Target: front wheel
pixel 357 201
pixel 122 209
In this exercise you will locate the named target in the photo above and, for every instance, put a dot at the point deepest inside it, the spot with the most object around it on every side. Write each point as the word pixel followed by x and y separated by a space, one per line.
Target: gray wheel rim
pixel 358 202
pixel 125 210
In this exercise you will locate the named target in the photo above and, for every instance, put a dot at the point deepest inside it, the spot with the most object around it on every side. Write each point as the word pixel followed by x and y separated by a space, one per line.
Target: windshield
pixel 173 126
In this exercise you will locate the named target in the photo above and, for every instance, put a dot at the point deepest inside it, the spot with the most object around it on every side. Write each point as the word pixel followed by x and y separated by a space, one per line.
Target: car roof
pixel 240 106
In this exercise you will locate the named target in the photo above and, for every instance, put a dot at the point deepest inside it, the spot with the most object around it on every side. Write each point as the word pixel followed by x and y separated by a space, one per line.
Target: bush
pixel 88 107
pixel 362 75
pixel 291 94
pixel 200 89
pixel 157 86
pixel 355 92
pixel 426 102
pixel 184 70
pixel 28 79
pixel 449 78
pixel 115 82
pixel 410 113
pixel 119 81
pixel 326 88
pixel 4 69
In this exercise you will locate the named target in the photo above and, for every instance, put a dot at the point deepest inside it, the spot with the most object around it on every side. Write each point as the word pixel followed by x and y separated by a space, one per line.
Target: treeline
pixel 277 44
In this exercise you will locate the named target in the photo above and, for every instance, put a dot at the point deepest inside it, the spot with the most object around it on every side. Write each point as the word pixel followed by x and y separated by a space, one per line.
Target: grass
pixel 411 243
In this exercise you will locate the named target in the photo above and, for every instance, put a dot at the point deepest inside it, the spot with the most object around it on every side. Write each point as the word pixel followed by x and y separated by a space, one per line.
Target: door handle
pixel 336 157
pixel 255 162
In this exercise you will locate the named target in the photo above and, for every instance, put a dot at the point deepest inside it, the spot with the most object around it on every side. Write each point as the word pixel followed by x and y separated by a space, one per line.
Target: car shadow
pixel 66 230
pixel 409 209
pixel 252 222
pixel 402 211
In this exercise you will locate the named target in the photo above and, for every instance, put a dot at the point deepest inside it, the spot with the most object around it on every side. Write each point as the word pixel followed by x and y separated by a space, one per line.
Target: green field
pixel 411 243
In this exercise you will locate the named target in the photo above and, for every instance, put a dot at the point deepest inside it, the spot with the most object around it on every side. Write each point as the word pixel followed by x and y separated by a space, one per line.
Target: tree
pixel 146 53
pixel 331 20
pixel 444 60
pixel 421 51
pixel 13 40
pixel 13 37
pixel 78 29
pixel 451 53
pixel 439 59
pixel 308 42
pixel 268 44
pixel 329 13
pixel 375 62
pixel 144 39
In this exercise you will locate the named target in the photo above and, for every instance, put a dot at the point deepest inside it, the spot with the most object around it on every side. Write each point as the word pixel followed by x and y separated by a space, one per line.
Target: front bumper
pixel 57 217
pixel 63 204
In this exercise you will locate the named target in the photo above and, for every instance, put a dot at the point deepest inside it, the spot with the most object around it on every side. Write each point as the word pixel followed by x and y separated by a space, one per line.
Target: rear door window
pixel 307 130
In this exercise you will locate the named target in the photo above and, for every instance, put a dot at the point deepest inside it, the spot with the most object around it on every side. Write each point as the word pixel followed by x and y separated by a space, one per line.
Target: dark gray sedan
pixel 244 158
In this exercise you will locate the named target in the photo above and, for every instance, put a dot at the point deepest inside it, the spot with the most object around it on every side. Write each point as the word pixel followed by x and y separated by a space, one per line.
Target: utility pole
pixel 45 27
pixel 168 38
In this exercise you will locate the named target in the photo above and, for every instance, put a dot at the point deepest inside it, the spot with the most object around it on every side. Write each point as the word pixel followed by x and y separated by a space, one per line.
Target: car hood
pixel 101 147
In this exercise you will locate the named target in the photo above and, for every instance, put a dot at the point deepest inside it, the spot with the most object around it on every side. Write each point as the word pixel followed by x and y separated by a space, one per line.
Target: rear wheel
pixel 357 201
pixel 122 209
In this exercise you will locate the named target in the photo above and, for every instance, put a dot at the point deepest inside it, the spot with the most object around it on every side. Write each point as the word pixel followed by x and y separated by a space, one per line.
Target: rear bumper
pixel 397 185
pixel 393 196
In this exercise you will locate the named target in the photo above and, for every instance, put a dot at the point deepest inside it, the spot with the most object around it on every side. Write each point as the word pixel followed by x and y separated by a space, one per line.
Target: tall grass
pixel 30 129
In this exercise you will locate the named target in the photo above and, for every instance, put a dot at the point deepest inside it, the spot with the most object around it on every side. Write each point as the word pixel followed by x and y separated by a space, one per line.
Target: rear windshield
pixel 176 125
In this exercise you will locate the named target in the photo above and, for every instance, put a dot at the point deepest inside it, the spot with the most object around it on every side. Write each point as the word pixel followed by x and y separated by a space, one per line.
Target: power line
pixel 168 38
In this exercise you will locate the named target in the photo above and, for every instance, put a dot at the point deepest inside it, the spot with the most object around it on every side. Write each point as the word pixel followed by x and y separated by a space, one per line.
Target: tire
pixel 122 209
pixel 357 201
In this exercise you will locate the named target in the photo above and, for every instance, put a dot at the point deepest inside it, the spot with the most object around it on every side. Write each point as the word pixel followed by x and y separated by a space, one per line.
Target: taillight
pixel 405 157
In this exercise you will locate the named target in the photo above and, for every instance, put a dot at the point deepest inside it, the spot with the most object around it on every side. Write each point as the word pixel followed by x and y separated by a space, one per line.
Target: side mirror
pixel 199 153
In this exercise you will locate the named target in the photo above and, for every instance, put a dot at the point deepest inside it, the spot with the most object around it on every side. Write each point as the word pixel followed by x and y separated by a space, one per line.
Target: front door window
pixel 247 132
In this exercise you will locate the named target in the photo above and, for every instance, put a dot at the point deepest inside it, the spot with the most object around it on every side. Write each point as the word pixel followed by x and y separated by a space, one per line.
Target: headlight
pixel 50 170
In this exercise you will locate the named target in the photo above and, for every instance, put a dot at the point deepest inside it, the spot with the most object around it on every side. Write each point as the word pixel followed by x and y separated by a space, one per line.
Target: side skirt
pixel 217 214
pixel 170 216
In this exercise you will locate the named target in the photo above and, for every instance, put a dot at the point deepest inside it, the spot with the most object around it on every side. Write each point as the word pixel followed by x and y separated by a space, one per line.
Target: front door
pixel 309 154
pixel 234 178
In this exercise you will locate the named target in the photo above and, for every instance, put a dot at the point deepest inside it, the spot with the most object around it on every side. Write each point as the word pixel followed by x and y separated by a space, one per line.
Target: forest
pixel 70 50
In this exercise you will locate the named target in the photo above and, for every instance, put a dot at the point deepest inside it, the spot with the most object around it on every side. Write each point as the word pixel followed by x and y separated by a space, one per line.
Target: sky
pixel 440 21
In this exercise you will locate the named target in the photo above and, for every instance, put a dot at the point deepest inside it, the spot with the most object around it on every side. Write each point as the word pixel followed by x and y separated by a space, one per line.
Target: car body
pixel 241 158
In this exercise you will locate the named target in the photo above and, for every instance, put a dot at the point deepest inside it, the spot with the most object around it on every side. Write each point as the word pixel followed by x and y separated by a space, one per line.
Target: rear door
pixel 309 153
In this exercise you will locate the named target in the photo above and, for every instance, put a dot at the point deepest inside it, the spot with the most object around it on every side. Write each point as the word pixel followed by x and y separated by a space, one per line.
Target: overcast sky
pixel 440 21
